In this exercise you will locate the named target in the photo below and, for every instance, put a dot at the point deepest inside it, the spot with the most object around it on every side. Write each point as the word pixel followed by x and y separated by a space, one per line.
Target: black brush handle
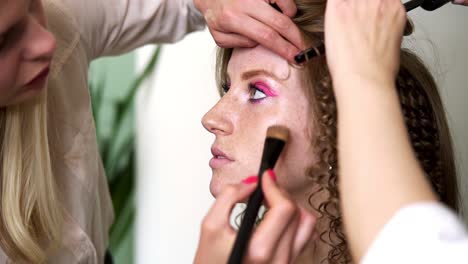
pixel 271 151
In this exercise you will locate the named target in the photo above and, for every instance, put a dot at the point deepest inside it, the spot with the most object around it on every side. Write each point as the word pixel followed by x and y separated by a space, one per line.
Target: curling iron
pixel 428 5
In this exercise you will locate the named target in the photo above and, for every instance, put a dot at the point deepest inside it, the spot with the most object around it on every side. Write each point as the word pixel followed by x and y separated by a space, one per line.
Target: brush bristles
pixel 279 132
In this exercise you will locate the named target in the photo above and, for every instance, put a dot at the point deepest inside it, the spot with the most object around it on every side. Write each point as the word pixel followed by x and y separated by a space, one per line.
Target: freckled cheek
pixel 293 164
pixel 298 155
pixel 250 138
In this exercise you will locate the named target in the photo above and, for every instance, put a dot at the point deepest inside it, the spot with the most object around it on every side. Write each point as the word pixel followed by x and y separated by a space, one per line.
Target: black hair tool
pixel 428 5
pixel 276 138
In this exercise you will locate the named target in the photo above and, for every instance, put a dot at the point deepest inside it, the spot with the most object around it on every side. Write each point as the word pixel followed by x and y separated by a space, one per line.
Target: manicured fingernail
pixel 250 180
pixel 272 174
pixel 458 2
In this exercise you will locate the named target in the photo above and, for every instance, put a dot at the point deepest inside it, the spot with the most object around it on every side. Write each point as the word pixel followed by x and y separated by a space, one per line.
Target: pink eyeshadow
pixel 266 89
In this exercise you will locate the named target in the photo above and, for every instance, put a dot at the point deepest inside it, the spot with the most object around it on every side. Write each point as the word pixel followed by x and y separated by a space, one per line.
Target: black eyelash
pixel 252 90
pixel 5 39
pixel 225 87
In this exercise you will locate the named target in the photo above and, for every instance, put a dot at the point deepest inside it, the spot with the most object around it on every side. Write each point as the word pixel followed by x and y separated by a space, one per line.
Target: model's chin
pixel 219 181
pixel 214 189
pixel 227 175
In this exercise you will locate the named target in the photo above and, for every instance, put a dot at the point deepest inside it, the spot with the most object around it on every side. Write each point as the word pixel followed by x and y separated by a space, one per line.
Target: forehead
pixel 245 59
pixel 10 11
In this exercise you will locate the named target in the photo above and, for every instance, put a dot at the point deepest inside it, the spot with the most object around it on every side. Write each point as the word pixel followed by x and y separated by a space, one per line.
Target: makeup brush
pixel 276 138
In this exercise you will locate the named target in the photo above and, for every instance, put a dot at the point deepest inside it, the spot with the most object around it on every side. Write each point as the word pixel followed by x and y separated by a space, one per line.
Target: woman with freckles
pixel 55 206
pixel 259 89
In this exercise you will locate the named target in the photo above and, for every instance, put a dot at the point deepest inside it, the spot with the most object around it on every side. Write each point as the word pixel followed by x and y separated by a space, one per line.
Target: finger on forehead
pixel 281 23
pixel 265 36
pixel 288 7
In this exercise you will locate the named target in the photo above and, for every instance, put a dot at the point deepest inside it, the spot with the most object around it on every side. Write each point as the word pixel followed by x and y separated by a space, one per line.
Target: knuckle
pixel 398 11
pixel 294 9
pixel 226 17
pixel 291 8
pixel 282 23
pixel 219 38
pixel 250 44
pixel 210 18
pixel 230 190
pixel 267 35
pixel 209 226
pixel 211 22
pixel 259 255
pixel 401 12
pixel 221 44
pixel 287 208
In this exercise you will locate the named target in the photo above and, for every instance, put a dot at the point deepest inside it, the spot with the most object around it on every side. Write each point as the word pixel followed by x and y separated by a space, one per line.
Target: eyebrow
pixel 249 74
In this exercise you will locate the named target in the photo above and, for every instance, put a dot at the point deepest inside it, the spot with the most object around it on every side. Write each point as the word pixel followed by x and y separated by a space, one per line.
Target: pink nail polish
pixel 272 174
pixel 250 180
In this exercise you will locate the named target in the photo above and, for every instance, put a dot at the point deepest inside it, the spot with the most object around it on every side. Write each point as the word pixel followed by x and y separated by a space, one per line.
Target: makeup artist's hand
pixel 279 238
pixel 246 23
pixel 460 2
pixel 363 39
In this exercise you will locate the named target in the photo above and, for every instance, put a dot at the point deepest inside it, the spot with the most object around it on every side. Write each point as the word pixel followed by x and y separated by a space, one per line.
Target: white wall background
pixel 442 40
pixel 173 147
pixel 174 150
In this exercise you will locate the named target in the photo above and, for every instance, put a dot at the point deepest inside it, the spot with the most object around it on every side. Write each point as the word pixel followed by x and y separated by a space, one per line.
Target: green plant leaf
pixel 121 133
pixel 115 131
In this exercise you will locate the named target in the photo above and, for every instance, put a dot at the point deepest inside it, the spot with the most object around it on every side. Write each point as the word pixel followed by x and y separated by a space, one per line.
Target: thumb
pixel 460 2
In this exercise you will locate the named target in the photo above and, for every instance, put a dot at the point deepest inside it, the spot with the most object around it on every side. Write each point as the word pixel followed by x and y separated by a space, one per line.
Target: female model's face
pixel 26 49
pixel 262 89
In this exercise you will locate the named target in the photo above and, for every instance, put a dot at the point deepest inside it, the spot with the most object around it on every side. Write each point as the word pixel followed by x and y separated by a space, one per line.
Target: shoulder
pixel 436 231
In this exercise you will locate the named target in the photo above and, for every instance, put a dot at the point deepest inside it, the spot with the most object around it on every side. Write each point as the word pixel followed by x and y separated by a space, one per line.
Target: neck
pixel 316 250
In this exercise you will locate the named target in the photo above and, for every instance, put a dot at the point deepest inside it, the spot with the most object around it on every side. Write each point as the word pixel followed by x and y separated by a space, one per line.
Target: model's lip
pixel 218 154
pixel 220 159
pixel 41 75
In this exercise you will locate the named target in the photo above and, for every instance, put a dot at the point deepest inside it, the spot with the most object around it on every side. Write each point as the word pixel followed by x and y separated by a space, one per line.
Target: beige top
pixel 85 30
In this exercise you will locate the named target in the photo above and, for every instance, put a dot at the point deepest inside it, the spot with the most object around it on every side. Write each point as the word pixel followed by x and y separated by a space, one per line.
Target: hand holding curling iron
pixel 363 39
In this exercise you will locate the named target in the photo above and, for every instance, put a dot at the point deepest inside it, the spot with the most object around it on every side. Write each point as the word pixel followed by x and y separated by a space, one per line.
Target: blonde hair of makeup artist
pixel 30 211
